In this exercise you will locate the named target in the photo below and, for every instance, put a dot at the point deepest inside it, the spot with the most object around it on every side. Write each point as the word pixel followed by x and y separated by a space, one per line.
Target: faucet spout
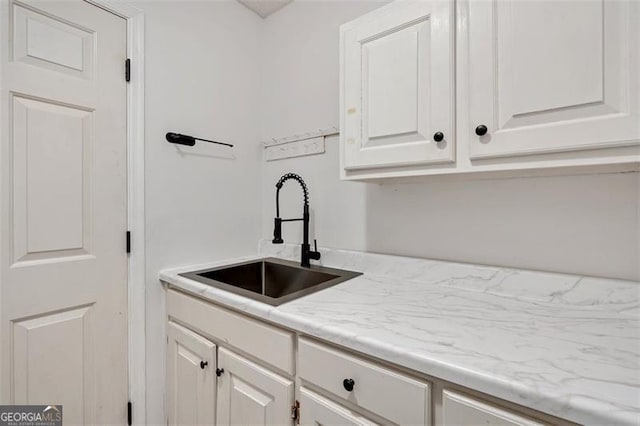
pixel 306 253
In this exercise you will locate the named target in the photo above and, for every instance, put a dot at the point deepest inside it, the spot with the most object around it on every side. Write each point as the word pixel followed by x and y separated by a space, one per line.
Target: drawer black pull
pixel 348 384
pixel 219 371
pixel 438 136
pixel 203 364
pixel 481 130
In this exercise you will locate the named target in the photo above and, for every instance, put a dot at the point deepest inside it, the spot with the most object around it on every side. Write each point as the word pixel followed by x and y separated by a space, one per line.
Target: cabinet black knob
pixel 203 364
pixel 438 136
pixel 348 384
pixel 481 130
pixel 219 371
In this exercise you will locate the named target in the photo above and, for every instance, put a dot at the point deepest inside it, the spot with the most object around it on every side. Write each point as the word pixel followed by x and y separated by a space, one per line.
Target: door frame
pixel 136 323
pixel 136 349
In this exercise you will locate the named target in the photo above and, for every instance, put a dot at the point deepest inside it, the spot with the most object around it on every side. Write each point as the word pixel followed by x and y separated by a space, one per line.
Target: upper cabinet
pixel 397 86
pixel 444 86
pixel 555 76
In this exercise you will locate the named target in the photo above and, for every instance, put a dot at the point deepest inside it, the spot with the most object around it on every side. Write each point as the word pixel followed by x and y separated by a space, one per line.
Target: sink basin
pixel 271 280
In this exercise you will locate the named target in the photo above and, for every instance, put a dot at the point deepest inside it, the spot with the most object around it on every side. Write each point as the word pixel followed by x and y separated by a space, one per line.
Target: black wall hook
pixel 190 140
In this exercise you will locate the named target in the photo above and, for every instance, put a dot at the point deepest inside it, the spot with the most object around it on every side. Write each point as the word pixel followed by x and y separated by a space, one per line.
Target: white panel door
pixel 191 379
pixel 460 410
pixel 318 411
pixel 63 273
pixel 549 76
pixel 249 394
pixel 397 86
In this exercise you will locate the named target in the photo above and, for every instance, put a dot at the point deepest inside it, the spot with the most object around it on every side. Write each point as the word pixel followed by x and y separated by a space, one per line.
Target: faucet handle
pixel 315 254
pixel 277 231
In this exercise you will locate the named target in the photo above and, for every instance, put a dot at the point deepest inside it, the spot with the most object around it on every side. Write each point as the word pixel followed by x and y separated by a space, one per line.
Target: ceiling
pixel 265 8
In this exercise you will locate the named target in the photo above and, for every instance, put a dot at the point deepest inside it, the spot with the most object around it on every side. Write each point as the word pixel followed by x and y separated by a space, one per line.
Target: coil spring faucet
pixel 306 253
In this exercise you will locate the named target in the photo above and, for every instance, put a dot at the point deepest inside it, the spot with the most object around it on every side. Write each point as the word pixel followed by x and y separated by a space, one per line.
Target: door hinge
pixel 129 413
pixel 295 412
pixel 127 70
pixel 128 241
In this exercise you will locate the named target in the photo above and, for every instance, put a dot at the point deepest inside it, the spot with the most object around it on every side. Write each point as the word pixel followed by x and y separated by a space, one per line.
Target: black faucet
pixel 306 253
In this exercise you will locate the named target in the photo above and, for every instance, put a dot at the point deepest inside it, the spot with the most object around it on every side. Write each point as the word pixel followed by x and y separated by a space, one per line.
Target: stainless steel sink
pixel 270 280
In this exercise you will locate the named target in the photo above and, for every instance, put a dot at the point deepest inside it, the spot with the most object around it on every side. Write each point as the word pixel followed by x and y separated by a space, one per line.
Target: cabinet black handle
pixel 481 130
pixel 348 384
pixel 203 364
pixel 219 371
pixel 438 136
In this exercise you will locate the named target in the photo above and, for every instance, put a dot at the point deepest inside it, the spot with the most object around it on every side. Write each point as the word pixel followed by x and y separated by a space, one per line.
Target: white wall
pixel 579 224
pixel 201 202
pixel 214 69
pixel 299 93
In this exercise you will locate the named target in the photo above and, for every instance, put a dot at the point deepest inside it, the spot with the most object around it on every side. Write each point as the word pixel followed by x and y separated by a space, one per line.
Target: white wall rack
pixel 298 145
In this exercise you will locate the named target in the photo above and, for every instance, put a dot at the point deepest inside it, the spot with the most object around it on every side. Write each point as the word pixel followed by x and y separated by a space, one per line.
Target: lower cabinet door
pixel 191 380
pixel 249 394
pixel 461 410
pixel 316 410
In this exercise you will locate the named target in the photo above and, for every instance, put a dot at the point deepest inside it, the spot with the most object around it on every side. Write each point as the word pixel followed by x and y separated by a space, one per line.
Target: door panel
pixel 63 272
pixel 51 162
pixel 392 90
pixel 249 394
pixel 191 389
pixel 553 76
pixel 43 362
pixel 398 86
pixel 48 42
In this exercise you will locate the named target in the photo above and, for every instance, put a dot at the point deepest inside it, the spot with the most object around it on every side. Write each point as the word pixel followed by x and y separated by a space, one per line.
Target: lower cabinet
pixel 249 394
pixel 231 372
pixel 191 380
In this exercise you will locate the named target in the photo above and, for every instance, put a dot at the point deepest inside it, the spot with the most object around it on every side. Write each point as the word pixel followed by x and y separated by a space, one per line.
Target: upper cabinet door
pixel 552 76
pixel 397 86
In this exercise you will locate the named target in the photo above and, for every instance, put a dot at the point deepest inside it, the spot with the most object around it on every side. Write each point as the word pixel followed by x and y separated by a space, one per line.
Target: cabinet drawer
pixel 393 396
pixel 265 342
pixel 460 410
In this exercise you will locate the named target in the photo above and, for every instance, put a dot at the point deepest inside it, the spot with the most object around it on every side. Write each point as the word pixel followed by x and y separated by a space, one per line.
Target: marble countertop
pixel 562 344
